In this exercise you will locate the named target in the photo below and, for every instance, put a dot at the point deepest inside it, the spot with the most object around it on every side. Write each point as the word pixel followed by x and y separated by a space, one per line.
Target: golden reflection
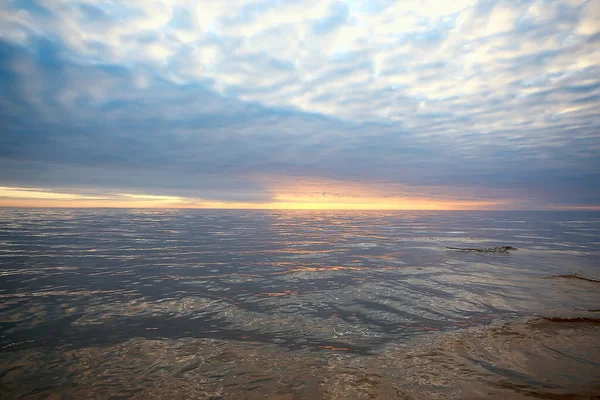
pixel 335 348
pixel 319 269
pixel 279 294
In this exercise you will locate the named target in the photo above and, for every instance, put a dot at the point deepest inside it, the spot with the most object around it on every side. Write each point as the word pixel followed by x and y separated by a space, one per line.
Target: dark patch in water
pixel 495 250
pixel 587 320
pixel 572 276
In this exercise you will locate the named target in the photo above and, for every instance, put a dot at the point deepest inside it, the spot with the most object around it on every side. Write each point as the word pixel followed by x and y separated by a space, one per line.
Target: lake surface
pixel 220 304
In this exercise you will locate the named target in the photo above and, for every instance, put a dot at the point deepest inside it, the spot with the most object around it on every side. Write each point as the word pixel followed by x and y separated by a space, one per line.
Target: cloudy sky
pixel 426 104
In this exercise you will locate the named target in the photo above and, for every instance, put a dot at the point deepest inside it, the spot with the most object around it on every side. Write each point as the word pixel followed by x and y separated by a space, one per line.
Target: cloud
pixel 199 98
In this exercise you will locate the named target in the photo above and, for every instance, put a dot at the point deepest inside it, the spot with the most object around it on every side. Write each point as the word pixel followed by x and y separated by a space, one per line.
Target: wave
pixel 541 357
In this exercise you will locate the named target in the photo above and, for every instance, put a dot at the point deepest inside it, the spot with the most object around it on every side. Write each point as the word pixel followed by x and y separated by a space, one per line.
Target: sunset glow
pixel 22 197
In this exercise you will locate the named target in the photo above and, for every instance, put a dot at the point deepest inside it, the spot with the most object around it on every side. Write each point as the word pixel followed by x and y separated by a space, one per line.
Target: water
pixel 298 304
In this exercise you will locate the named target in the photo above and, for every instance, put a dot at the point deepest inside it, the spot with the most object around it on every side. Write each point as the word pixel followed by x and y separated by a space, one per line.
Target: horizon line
pixel 558 209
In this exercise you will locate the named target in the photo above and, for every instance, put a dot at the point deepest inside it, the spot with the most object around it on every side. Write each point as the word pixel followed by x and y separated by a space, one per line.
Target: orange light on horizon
pixel 302 197
pixel 329 194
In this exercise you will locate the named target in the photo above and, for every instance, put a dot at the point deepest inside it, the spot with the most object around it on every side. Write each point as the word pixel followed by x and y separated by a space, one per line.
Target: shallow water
pixel 298 304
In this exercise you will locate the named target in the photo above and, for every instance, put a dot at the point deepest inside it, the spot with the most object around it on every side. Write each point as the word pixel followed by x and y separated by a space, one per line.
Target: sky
pixel 316 104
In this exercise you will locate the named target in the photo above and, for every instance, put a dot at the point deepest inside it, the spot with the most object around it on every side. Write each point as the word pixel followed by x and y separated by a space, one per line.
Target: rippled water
pixel 298 304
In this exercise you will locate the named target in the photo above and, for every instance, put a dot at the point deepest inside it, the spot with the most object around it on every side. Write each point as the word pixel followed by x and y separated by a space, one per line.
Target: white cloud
pixel 590 15
pixel 435 66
